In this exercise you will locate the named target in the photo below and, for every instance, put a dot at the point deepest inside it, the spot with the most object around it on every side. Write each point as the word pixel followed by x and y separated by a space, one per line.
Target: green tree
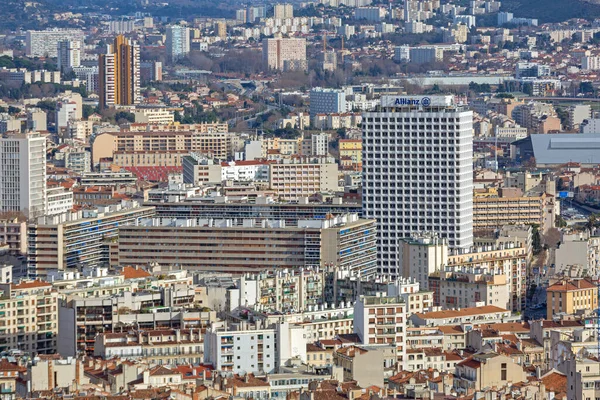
pixel 88 110
pixel 536 239
pixel 124 115
pixel 586 87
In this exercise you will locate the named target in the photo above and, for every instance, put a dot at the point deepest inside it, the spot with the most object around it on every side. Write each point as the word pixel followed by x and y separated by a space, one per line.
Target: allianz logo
pixel 425 101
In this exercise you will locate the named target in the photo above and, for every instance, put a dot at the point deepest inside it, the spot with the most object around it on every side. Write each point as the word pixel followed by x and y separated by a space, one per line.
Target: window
pixel 503 371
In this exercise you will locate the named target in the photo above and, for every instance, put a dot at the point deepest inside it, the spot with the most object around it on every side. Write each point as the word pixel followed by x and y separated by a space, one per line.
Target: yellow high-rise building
pixel 119 74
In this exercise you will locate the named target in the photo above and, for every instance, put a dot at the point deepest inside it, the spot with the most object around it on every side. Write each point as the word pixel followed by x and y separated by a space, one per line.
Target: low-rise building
pixel 576 296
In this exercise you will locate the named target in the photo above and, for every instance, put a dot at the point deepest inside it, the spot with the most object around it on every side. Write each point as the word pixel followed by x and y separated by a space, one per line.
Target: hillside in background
pixel 552 10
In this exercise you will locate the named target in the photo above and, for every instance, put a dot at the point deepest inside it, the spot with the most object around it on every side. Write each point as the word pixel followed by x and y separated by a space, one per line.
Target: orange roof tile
pixel 135 273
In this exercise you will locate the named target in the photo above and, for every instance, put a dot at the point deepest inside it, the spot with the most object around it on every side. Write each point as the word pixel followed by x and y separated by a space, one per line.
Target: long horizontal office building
pixel 78 240
pixel 291 213
pixel 152 147
pixel 239 246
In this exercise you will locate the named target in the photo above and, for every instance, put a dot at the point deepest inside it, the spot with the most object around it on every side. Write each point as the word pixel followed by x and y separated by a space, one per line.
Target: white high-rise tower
pixel 418 173
pixel 23 173
pixel 178 42
pixel 69 55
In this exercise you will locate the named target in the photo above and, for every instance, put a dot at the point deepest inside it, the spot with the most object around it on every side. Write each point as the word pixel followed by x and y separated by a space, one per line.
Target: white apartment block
pixel 285 54
pixel 319 144
pixel 65 113
pixel 590 63
pixel 245 171
pixel 423 255
pixel 21 75
pixel 69 55
pixel 418 173
pixel 45 43
pixel 161 346
pixel 88 76
pixel 59 200
pixel 283 11
pixel 254 349
pixel 121 26
pixel 381 321
pixel 178 41
pixel 23 173
pixel 154 116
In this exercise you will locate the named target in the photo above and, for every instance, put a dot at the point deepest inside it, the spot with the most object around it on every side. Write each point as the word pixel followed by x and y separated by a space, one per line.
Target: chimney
pixel 50 375
pixel 77 372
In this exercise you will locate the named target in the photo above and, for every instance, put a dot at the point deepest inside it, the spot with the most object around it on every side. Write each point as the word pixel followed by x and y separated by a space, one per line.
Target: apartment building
pixel 13 232
pixel 351 153
pixel 382 320
pixel 291 213
pixel 300 177
pixel 68 55
pixel 199 170
pixel 81 319
pixel 161 346
pixel 155 116
pixel 319 322
pixel 283 11
pixel 365 365
pixel 582 374
pixel 45 43
pixel 209 245
pixel 156 145
pixel 177 42
pixel 29 317
pixel 480 315
pixel 59 200
pixel 79 239
pixel 422 255
pixel 327 101
pixel 510 207
pixel 576 296
pixel 285 54
pixel 463 289
pixel 22 75
pixel 509 260
pixel 253 349
pixel 108 178
pixel 119 74
pixel 280 290
pixel 486 370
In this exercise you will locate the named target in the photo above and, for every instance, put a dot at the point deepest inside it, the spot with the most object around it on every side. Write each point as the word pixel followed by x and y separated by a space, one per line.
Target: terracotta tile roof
pixel 194 371
pixel 555 382
pixel 30 285
pixel 135 273
pixel 571 285
pixel 160 370
pixel 452 356
pixel 522 327
pixel 248 380
pixel 351 351
pixel 470 362
pixel 6 365
pixel 313 347
pixel 561 324
pixel 457 329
